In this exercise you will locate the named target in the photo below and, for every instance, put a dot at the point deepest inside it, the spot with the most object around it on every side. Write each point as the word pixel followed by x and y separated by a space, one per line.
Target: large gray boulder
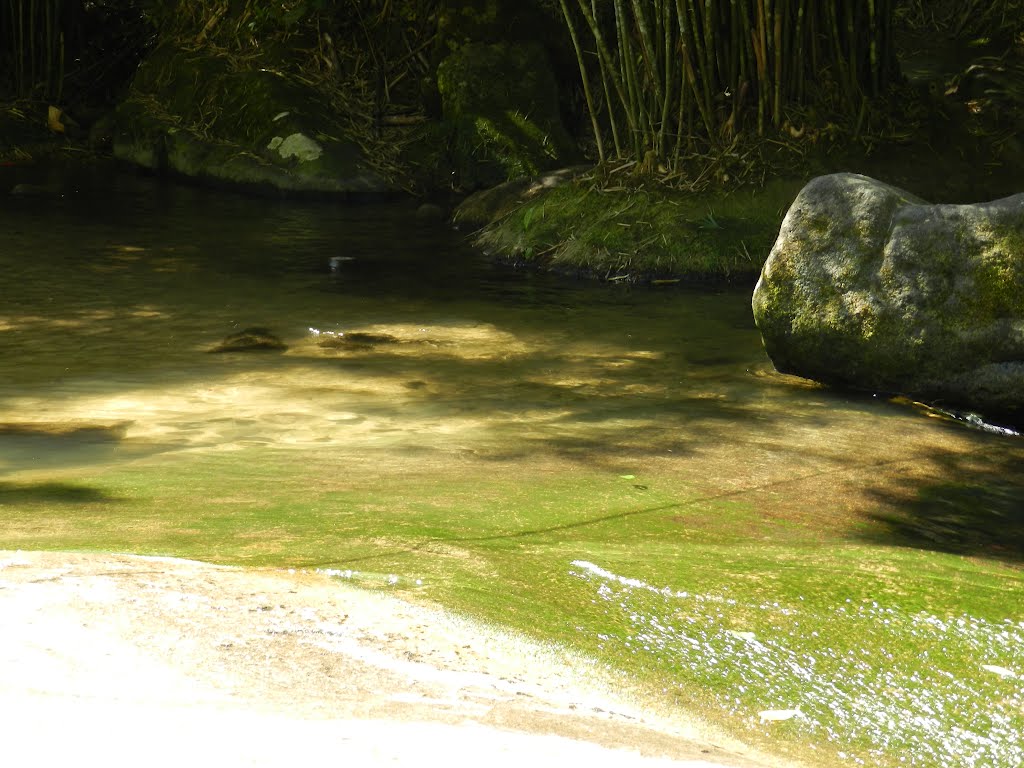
pixel 870 287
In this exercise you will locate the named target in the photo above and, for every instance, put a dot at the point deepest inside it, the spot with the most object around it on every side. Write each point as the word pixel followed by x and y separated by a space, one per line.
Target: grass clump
pixel 644 233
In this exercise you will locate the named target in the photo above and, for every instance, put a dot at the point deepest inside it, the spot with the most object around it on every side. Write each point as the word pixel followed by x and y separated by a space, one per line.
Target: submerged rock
pixel 870 287
pixel 356 340
pixel 256 339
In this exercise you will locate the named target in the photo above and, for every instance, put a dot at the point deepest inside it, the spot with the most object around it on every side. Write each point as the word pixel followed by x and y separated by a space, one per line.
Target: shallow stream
pixel 116 290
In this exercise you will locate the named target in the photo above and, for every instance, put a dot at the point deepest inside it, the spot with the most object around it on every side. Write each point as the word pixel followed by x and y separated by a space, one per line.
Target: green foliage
pixel 641 234
pixel 501 104
pixel 658 76
pixel 956 18
pixel 270 16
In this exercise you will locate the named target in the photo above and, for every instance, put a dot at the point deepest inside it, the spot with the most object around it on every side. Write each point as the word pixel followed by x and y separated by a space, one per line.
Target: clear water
pixel 115 291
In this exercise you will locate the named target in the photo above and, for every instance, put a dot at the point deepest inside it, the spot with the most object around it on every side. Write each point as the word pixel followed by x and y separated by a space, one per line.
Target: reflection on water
pixel 115 292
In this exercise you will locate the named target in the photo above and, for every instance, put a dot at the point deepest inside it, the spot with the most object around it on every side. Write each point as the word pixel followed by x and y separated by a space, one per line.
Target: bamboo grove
pixel 658 73
pixel 32 42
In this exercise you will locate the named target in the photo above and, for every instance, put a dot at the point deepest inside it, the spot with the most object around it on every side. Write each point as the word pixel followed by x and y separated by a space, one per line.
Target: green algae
pixel 696 604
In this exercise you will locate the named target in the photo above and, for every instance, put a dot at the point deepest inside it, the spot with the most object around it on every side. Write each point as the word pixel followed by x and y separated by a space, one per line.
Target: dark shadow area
pixel 31 445
pixel 975 506
pixel 92 433
pixel 33 494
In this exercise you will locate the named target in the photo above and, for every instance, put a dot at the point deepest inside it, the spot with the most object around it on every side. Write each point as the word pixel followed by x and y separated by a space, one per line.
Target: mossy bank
pixel 567 222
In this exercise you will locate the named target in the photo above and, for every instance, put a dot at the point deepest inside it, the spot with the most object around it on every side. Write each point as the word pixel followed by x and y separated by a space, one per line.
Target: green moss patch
pixel 887 656
pixel 643 233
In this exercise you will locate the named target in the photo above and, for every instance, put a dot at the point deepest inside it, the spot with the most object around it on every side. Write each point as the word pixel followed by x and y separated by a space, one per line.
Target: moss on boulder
pixel 870 287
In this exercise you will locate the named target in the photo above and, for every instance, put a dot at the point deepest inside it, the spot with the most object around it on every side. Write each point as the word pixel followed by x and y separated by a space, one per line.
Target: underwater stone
pixel 872 288
pixel 255 339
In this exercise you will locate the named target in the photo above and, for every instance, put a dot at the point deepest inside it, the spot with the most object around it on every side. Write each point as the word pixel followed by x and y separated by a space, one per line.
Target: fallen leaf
pixel 53 115
pixel 778 714
pixel 1001 671
pixel 740 635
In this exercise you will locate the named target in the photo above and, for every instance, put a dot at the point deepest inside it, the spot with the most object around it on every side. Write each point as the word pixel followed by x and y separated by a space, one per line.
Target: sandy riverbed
pixel 154 661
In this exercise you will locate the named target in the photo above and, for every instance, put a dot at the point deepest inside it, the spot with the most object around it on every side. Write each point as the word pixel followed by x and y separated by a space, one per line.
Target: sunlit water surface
pixel 115 292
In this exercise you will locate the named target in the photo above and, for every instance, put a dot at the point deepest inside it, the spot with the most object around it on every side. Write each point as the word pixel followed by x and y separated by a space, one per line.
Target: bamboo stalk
pixel 799 67
pixel 709 76
pixel 627 67
pixel 665 30
pixel 700 72
pixel 761 53
pixel 887 46
pixel 837 46
pixel 608 68
pixel 875 76
pixel 734 72
pixel 744 41
pixel 710 73
pixel 647 48
pixel 609 105
pixel 591 106
pixel 853 86
pixel 684 111
pixel 689 76
pixel 778 53
pixel 675 64
pixel 746 78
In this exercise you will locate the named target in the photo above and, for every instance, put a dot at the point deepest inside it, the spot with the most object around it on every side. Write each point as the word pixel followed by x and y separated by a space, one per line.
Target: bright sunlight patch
pixel 874 680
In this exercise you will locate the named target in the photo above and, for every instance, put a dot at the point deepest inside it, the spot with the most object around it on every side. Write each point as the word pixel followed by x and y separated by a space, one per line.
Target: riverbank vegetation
pixel 669 77
pixel 689 95
pixel 642 231
pixel 718 105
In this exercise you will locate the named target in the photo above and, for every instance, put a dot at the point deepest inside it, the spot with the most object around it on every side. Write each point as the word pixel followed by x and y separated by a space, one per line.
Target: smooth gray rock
pixel 870 287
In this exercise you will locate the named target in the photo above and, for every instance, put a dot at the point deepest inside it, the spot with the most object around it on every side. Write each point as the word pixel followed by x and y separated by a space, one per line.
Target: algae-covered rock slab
pixel 871 287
